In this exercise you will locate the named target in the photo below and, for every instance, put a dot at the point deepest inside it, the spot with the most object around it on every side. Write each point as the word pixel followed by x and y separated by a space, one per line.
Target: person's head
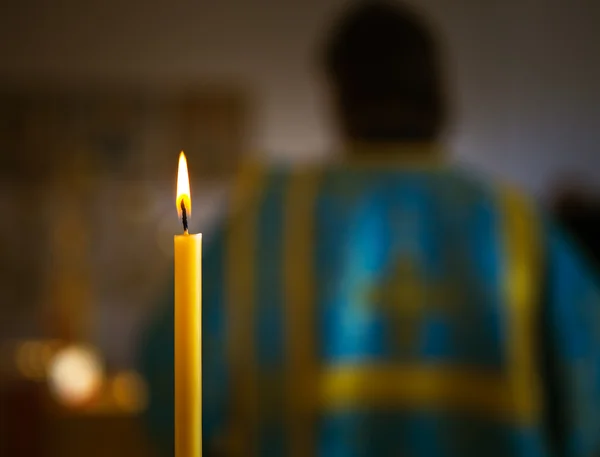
pixel 383 65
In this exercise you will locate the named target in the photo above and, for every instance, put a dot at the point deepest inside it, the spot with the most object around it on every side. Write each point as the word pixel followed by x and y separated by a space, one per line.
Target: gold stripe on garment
pixel 300 317
pixel 415 156
pixel 241 257
pixel 418 388
pixel 522 269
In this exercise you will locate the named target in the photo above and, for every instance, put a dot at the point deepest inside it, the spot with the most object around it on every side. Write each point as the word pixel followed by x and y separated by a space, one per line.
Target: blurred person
pixel 390 304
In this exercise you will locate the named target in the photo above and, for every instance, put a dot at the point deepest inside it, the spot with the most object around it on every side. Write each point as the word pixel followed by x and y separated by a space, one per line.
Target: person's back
pixel 373 318
pixel 389 305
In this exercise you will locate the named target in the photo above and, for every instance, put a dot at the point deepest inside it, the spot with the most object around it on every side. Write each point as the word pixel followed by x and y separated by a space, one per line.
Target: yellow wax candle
pixel 188 328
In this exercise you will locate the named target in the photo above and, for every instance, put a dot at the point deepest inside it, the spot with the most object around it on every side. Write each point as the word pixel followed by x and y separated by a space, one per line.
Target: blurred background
pixel 97 98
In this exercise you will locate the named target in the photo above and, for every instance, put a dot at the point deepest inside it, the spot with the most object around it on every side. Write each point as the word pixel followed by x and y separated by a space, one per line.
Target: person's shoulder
pixel 493 187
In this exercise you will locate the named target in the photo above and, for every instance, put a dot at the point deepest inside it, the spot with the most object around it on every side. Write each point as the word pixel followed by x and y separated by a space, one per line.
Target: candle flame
pixel 183 187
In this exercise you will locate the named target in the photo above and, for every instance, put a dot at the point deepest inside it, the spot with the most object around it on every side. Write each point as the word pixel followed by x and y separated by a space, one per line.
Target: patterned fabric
pixel 388 311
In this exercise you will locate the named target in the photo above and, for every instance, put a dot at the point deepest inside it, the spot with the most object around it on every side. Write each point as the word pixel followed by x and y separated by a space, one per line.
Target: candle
pixel 188 324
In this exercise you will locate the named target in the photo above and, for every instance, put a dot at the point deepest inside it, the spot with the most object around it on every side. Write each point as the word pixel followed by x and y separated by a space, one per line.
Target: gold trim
pixel 418 387
pixel 522 276
pixel 426 156
pixel 299 286
pixel 240 287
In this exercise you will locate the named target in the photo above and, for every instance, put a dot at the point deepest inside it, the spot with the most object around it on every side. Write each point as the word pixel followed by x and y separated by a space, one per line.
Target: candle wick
pixel 184 217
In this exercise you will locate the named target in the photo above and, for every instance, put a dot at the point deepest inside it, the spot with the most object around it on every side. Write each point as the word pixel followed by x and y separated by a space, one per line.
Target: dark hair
pixel 383 63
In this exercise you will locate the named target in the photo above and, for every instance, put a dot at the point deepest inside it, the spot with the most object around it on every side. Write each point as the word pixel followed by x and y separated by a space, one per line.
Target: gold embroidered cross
pixel 406 299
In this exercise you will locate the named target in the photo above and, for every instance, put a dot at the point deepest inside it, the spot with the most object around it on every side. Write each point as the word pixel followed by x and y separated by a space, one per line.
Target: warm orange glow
pixel 130 392
pixel 75 374
pixel 183 187
pixel 32 357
